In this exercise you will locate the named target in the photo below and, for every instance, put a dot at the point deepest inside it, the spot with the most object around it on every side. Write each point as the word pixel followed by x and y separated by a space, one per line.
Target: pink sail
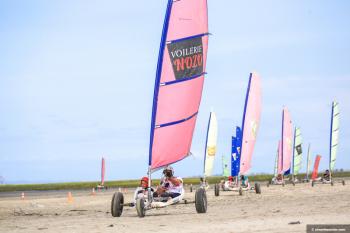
pixel 103 171
pixel 279 163
pixel 287 140
pixel 179 81
pixel 251 122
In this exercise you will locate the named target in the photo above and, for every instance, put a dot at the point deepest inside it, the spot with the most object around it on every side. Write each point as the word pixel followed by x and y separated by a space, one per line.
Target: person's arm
pixel 175 181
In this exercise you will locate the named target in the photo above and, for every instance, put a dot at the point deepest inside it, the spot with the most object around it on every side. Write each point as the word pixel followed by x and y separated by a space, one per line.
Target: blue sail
pixel 236 152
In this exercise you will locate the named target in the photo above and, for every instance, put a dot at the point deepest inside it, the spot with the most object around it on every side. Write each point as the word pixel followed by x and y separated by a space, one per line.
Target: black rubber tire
pixel 293 183
pixel 117 204
pixel 240 191
pixel 257 188
pixel 191 188
pixel 140 207
pixel 201 201
pixel 312 183
pixel 268 184
pixel 343 182
pixel 217 190
pixel 332 183
pixel 283 184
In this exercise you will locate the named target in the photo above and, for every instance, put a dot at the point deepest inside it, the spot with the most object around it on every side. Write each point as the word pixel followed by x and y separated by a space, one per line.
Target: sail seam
pixel 183 79
pixel 188 38
pixel 176 122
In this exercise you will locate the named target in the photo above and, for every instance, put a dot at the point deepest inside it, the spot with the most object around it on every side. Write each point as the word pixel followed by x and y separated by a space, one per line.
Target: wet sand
pixel 277 209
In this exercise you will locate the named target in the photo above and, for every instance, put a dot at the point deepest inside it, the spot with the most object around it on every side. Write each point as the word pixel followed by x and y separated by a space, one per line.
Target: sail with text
pixel 179 81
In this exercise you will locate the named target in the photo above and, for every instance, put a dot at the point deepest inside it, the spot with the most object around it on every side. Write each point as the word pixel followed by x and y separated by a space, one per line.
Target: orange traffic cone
pixel 70 197
pixel 22 196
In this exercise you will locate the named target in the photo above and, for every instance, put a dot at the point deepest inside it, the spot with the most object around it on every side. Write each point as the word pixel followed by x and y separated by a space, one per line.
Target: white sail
pixel 210 149
pixel 308 161
pixel 334 135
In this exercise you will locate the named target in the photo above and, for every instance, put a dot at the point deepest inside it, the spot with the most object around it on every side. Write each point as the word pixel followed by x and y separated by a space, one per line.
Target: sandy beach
pixel 277 209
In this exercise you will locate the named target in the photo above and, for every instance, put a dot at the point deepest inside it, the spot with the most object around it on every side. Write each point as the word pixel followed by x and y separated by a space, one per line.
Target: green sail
pixel 225 168
pixel 298 152
pixel 334 135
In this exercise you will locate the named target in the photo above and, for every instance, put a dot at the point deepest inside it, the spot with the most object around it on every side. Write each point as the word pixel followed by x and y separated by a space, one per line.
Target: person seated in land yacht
pixel 170 186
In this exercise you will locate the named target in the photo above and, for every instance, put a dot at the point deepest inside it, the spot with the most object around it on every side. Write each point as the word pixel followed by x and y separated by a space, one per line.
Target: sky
pixel 77 80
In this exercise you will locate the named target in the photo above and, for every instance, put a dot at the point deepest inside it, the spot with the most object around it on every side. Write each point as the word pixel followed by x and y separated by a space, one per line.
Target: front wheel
pixel 140 207
pixel 117 204
pixel 201 201
pixel 343 182
pixel 312 183
pixel 216 190
pixel 257 188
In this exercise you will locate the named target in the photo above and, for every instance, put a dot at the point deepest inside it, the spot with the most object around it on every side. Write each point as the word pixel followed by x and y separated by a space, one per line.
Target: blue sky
pixel 77 78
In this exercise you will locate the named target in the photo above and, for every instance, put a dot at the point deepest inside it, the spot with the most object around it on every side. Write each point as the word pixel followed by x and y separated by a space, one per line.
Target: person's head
pixel 144 182
pixel 201 179
pixel 230 178
pixel 327 171
pixel 168 171
pixel 242 177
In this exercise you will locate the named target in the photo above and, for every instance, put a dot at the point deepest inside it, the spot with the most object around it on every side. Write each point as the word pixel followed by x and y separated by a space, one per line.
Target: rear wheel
pixel 191 188
pixel 283 184
pixel 217 190
pixel 293 182
pixel 201 201
pixel 140 207
pixel 117 204
pixel 240 191
pixel 312 183
pixel 257 188
pixel 332 183
pixel 343 182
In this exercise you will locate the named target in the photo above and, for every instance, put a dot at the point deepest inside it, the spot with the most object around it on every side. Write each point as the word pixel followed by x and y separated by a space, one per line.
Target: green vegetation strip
pixel 130 183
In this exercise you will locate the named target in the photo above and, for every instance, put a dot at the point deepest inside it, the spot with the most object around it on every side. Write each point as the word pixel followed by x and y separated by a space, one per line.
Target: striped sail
pixel 250 122
pixel 334 135
pixel 210 147
pixel 287 143
pixel 298 152
pixel 179 81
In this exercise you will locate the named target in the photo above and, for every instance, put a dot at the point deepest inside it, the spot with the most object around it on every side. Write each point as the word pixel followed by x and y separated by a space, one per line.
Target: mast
pixel 156 90
pixel 206 144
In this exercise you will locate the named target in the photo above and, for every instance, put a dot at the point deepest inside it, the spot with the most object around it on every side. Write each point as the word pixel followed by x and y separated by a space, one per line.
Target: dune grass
pixel 131 183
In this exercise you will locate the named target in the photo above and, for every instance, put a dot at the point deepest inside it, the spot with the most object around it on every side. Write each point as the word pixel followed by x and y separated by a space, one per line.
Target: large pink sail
pixel 251 122
pixel 179 81
pixel 103 171
pixel 287 140
pixel 279 162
